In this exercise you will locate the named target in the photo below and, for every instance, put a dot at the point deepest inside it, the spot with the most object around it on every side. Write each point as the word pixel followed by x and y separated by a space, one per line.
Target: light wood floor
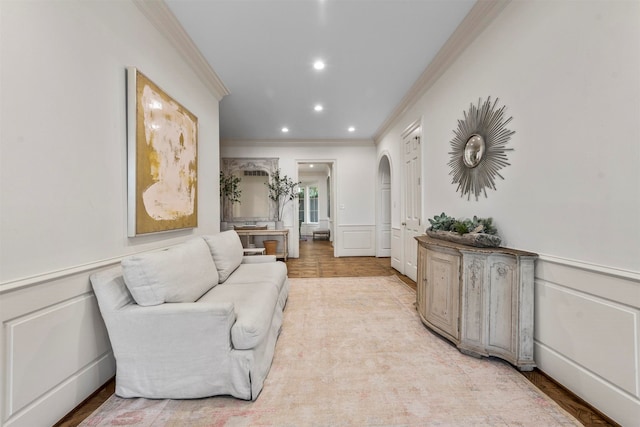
pixel 316 260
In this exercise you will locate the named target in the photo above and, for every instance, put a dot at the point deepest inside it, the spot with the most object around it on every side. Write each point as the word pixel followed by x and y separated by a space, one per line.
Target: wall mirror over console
pixel 254 204
pixel 479 148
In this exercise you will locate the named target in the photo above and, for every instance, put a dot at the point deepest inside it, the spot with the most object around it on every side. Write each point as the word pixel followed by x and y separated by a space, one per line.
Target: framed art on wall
pixel 162 159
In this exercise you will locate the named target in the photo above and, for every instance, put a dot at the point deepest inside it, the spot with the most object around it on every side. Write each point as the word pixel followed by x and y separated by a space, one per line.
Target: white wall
pixel 568 73
pixel 63 188
pixel 354 174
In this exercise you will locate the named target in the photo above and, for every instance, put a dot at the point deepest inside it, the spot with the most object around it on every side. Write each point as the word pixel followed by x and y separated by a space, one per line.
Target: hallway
pixel 317 260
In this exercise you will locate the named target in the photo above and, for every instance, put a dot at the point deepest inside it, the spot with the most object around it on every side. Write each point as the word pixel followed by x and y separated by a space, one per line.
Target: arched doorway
pixel 383 223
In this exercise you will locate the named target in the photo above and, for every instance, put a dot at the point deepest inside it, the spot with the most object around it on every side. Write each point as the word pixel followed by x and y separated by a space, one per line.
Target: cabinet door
pixel 472 322
pixel 421 284
pixel 502 305
pixel 443 292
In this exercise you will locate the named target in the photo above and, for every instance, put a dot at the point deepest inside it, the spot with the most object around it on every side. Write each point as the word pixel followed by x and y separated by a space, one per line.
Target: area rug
pixel 353 352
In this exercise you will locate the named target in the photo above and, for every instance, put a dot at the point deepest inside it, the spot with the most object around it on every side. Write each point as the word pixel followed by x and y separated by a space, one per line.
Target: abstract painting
pixel 162 157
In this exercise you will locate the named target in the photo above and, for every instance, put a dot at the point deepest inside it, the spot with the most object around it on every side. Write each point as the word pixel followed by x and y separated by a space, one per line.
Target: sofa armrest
pixel 177 329
pixel 258 259
pixel 170 350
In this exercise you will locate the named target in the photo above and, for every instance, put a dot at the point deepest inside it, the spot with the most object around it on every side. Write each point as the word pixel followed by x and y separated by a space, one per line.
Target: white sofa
pixel 198 319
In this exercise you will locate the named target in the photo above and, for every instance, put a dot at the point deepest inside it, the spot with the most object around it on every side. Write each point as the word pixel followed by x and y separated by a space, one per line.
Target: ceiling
pixel 264 52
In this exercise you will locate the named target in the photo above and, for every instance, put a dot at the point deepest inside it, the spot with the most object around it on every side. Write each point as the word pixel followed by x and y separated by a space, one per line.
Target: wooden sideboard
pixel 255 231
pixel 481 299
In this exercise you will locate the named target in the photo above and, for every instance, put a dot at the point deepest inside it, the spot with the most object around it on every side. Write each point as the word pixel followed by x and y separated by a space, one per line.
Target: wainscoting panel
pixel 396 249
pixel 587 334
pixel 55 348
pixel 385 236
pixel 47 338
pixel 356 240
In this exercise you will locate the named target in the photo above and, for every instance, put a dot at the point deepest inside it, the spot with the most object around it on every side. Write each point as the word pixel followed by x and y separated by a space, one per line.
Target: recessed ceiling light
pixel 318 107
pixel 310 166
pixel 285 130
pixel 318 65
pixel 351 129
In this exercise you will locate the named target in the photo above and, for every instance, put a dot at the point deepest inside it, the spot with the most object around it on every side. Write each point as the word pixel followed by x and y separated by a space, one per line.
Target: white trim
pixel 595 268
pixel 55 275
pixel 50 276
pixel 478 18
pixel 159 14
pixel 296 142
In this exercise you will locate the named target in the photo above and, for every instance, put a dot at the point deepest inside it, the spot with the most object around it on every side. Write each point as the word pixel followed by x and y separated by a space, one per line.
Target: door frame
pixel 412 127
pixel 333 196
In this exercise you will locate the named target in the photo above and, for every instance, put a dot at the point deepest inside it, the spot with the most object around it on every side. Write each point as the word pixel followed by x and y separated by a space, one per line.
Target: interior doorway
pixel 315 215
pixel 383 223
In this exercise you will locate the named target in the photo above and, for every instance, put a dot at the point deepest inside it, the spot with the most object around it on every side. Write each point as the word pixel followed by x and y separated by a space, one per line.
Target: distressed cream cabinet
pixel 481 299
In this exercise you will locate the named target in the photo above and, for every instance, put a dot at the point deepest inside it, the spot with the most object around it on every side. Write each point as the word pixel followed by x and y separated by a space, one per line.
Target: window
pixel 301 199
pixel 313 204
pixel 308 204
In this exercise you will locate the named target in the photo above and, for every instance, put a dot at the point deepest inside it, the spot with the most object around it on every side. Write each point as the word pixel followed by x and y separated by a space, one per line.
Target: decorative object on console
pixel 478 232
pixel 479 148
pixel 162 159
pixel 282 190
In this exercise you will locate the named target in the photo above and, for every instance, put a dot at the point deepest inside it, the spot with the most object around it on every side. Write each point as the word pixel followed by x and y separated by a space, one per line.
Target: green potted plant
pixel 282 190
pixel 229 194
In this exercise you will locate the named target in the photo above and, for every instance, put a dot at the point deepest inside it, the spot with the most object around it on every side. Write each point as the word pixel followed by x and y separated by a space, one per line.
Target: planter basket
pixel 479 240
pixel 270 246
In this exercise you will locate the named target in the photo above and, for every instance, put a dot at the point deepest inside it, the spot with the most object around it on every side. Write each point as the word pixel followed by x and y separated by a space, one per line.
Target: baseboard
pixel 608 399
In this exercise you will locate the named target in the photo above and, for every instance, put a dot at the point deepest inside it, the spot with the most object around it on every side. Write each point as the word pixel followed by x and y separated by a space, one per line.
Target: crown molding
pixel 159 14
pixel 296 142
pixel 478 18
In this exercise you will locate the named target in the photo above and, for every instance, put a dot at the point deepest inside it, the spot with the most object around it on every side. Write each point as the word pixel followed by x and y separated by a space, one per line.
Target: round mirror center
pixel 473 150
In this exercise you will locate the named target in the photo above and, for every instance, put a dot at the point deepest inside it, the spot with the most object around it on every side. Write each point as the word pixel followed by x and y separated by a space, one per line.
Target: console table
pixel 250 232
pixel 481 299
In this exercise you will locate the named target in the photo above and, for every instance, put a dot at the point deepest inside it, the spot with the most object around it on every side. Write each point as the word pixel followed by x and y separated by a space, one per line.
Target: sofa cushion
pixel 226 250
pixel 273 273
pixel 182 273
pixel 254 306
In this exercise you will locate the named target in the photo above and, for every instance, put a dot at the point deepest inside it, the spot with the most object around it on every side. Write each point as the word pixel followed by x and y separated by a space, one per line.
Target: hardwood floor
pixel 316 260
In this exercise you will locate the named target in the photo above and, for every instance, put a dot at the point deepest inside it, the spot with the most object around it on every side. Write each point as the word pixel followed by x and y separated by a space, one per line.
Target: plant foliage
pixel 229 191
pixel 229 187
pixel 282 190
pixel 445 222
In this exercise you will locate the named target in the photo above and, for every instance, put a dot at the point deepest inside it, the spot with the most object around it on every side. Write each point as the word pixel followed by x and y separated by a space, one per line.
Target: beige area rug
pixel 353 352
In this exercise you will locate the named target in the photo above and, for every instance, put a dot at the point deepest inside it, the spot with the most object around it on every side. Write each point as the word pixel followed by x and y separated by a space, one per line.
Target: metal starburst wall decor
pixel 479 148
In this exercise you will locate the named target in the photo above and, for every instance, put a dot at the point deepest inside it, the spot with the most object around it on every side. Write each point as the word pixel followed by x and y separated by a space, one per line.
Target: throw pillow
pixel 227 252
pixel 181 273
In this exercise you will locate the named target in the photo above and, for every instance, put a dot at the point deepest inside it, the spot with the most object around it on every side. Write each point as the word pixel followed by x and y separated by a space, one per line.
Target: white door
pixel 412 199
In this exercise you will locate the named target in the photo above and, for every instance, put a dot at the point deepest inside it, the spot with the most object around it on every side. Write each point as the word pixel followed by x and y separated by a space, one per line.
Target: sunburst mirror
pixel 479 148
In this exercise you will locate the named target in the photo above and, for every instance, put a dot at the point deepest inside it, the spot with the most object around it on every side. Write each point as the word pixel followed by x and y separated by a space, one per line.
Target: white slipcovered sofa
pixel 195 320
